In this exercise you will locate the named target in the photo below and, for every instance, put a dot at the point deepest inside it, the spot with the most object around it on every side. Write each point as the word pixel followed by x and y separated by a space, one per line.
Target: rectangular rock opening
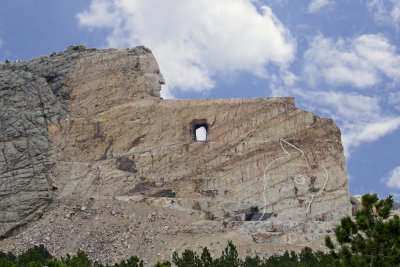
pixel 199 130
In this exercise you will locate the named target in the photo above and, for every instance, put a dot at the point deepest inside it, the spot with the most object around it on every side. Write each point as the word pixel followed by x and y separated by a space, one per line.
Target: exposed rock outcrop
pixel 124 173
pixel 27 106
pixel 36 94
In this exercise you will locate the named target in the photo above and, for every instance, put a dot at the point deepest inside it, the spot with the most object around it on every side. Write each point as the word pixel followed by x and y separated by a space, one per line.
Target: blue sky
pixel 340 59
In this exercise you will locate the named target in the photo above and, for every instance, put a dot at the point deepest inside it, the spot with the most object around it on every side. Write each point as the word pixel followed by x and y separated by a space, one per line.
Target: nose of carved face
pixel 162 81
pixel 152 73
pixel 155 80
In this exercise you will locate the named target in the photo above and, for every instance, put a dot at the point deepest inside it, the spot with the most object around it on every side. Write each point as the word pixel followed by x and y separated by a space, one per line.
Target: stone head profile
pixel 151 72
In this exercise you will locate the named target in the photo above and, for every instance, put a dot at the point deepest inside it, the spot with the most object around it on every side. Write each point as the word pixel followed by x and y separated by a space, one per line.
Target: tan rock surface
pixel 129 177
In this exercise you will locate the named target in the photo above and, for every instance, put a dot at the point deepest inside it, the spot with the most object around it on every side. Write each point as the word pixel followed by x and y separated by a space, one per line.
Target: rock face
pixel 27 106
pixel 86 132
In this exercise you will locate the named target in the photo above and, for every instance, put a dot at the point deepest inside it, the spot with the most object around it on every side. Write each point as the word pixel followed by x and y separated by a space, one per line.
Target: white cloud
pixel 289 78
pixel 193 40
pixel 361 62
pixel 271 2
pixel 100 14
pixel 386 11
pixel 358 133
pixel 366 62
pixel 393 179
pixel 360 117
pixel 316 5
pixel 346 107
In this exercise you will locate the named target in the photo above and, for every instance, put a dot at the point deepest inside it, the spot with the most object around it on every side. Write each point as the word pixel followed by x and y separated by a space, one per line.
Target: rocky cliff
pixel 91 158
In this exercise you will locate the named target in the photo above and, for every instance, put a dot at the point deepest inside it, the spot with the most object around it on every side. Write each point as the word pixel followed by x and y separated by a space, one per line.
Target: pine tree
pixel 229 257
pixel 37 254
pixel 373 239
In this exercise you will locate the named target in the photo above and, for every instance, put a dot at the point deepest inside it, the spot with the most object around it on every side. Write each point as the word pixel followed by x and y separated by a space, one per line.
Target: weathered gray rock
pixel 355 205
pixel 27 106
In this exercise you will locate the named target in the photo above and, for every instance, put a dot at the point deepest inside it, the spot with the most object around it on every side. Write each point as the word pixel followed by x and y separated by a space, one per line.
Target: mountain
pixel 93 159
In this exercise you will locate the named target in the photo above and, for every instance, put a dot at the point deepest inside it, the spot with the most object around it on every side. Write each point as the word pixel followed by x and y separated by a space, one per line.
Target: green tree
pixel 206 258
pixel 373 239
pixel 163 264
pixel 37 254
pixel 7 263
pixel 229 257
pixel 9 256
pixel 285 260
pixel 308 257
pixel 131 262
pixel 251 262
pixel 55 263
pixel 34 264
pixel 188 259
pixel 324 259
pixel 81 259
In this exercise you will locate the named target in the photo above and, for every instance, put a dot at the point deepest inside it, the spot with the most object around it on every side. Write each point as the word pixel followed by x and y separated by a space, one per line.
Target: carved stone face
pixel 152 73
pixel 154 80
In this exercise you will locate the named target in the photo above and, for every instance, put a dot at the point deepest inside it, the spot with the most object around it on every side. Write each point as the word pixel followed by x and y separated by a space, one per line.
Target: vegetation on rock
pixel 38 256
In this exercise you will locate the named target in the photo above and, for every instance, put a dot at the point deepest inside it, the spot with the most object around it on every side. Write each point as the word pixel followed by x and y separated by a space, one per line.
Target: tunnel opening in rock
pixel 201 133
pixel 199 130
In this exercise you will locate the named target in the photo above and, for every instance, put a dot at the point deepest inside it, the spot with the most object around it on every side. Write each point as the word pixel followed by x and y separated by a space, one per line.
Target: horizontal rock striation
pixel 124 172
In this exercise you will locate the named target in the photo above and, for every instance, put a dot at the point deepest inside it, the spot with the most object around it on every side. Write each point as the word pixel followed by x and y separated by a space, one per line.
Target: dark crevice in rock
pixel 126 164
pixel 142 187
pixel 98 134
pixel 253 214
pixel 165 193
pixel 135 142
pixel 312 188
pixel 104 156
pixel 208 193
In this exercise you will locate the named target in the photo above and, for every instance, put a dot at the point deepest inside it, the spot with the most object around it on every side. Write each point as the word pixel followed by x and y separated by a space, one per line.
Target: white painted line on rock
pixel 267 167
